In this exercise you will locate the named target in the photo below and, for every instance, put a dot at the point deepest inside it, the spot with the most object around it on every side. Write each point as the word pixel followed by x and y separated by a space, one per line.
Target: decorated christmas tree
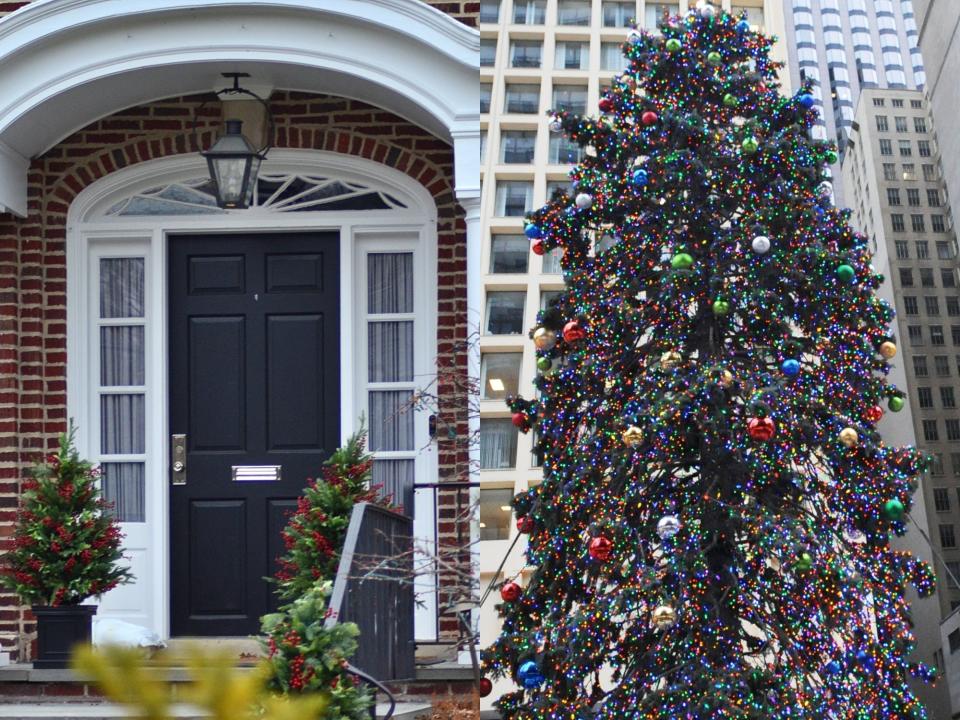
pixel 712 536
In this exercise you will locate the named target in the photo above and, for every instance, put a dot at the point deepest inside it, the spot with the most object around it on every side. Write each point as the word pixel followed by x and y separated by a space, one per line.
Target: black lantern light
pixel 234 163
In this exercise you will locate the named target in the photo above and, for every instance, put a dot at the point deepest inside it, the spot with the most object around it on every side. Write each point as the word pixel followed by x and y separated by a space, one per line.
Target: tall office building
pixel 845 46
pixel 896 191
pixel 537 55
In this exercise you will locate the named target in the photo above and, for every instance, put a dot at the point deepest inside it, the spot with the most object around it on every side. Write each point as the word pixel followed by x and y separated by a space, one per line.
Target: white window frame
pixel 91 235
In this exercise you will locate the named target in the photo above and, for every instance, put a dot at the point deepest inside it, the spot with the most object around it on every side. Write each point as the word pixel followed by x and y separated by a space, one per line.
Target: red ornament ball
pixel 525 524
pixel 873 414
pixel 601 548
pixel 486 687
pixel 605 104
pixel 511 592
pixel 572 332
pixel 761 428
pixel 649 117
pixel 538 247
pixel 519 419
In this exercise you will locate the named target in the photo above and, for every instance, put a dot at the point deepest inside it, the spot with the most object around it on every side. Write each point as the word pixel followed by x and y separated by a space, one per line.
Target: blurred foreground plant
pixel 216 687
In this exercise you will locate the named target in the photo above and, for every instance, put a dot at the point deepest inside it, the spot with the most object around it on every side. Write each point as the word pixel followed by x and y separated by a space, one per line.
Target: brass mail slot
pixel 256 473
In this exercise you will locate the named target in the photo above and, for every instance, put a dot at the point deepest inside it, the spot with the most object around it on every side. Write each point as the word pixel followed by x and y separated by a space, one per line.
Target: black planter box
pixel 59 630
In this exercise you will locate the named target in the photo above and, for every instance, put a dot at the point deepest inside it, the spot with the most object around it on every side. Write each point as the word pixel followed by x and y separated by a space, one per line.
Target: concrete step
pixel 105 711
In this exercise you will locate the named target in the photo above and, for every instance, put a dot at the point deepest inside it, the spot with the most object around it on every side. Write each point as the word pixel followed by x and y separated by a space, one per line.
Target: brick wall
pixel 33 272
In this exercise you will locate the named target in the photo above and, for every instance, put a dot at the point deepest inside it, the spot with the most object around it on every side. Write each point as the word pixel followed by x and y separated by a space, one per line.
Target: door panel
pixel 254 381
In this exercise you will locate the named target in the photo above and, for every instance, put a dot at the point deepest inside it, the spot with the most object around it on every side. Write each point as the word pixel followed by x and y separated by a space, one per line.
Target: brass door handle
pixel 178 455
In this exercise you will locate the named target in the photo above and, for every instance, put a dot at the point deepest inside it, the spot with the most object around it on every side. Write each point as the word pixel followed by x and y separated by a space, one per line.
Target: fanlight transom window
pixel 274 193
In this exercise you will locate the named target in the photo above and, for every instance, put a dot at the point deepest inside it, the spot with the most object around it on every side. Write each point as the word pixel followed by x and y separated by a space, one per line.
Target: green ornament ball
pixel 714 58
pixel 544 364
pixel 730 100
pixel 750 145
pixel 721 307
pixel 681 261
pixel 804 562
pixel 893 509
pixel 673 45
pixel 845 273
pixel 832 157
pixel 895 403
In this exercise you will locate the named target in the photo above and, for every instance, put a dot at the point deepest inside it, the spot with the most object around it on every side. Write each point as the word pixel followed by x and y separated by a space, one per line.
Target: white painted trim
pixel 87 232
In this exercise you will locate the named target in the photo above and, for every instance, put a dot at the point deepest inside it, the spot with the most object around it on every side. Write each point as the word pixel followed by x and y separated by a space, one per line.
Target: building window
pixel 572 98
pixel 953 429
pixel 933 198
pixel 953 306
pixel 923 148
pixel 953 577
pixel 897 102
pixel 900 123
pixel 910 305
pixel 932 303
pixel 946 396
pixel 941 499
pixel 886 147
pixel 889 171
pixel 893 196
pixel 948 277
pixel 555 186
pixel 618 14
pixel 954 639
pixel 488 52
pixel 926 278
pixel 612 57
pixel 936 335
pixel 915 334
pixel 913 197
pixel 490 11
pixel 485 91
pixel 955 465
pixel 655 12
pixel 942 365
pixel 937 224
pixel 930 433
pixel 573 12
pixel 919 125
pixel 902 249
pixel 909 172
pixel 522 98
pixel 551 262
pixel 906 277
pixel 516 146
pixel 754 15
pixel 882 124
pixel 924 397
pixel 917 224
pixel 945 250
pixel 498 444
pixel 571 55
pixel 514 198
pixel 920 365
pixel 499 375
pixel 525 53
pixel 509 253
pixel 936 464
pixel 564 151
pixel 905 150
pixel 916 104
pixel 896 222
pixel 496 513
pixel 505 312
pixel 529 12
pixel 923 249
pixel 955 334
pixel 929 173
pixel 879 102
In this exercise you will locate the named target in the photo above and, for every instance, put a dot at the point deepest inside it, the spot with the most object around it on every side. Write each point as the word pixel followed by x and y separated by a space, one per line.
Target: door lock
pixel 178 454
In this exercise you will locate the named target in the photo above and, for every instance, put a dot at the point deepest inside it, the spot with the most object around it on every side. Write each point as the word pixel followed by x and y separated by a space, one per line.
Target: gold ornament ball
pixel 632 436
pixel 663 617
pixel 849 437
pixel 670 359
pixel 544 338
pixel 888 349
pixel 726 378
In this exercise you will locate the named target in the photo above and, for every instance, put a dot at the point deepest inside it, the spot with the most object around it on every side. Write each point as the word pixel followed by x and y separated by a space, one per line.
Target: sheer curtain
pixel 498 444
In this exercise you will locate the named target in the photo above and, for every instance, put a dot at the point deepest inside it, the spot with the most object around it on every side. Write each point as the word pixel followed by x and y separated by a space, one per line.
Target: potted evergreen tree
pixel 66 549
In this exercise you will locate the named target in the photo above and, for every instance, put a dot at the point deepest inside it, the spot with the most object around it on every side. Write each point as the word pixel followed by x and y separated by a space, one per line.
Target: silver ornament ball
pixel 760 244
pixel 706 8
pixel 668 526
pixel 584 200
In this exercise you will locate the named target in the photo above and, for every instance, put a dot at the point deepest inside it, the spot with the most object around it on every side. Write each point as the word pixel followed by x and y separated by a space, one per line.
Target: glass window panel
pixel 394 479
pixel 498 444
pixel 121 355
pixel 514 198
pixel 505 313
pixel 496 514
pixel 655 12
pixel 390 351
pixel 612 57
pixel 517 146
pixel 391 420
pixel 509 253
pixel 573 12
pixel 499 375
pixel 121 287
pixel 522 98
pixel 529 12
pixel 525 53
pixel 124 487
pixel 551 262
pixel 122 423
pixel 389 283
pixel 488 52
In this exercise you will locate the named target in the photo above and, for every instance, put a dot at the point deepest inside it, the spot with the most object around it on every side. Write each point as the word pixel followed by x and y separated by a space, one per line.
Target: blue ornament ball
pixel 807 100
pixel 640 177
pixel 743 26
pixel 832 668
pixel 529 674
pixel 532 231
pixel 790 368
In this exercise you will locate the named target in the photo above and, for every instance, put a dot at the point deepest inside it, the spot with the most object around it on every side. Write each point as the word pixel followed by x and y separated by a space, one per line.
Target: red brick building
pixel 132 303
